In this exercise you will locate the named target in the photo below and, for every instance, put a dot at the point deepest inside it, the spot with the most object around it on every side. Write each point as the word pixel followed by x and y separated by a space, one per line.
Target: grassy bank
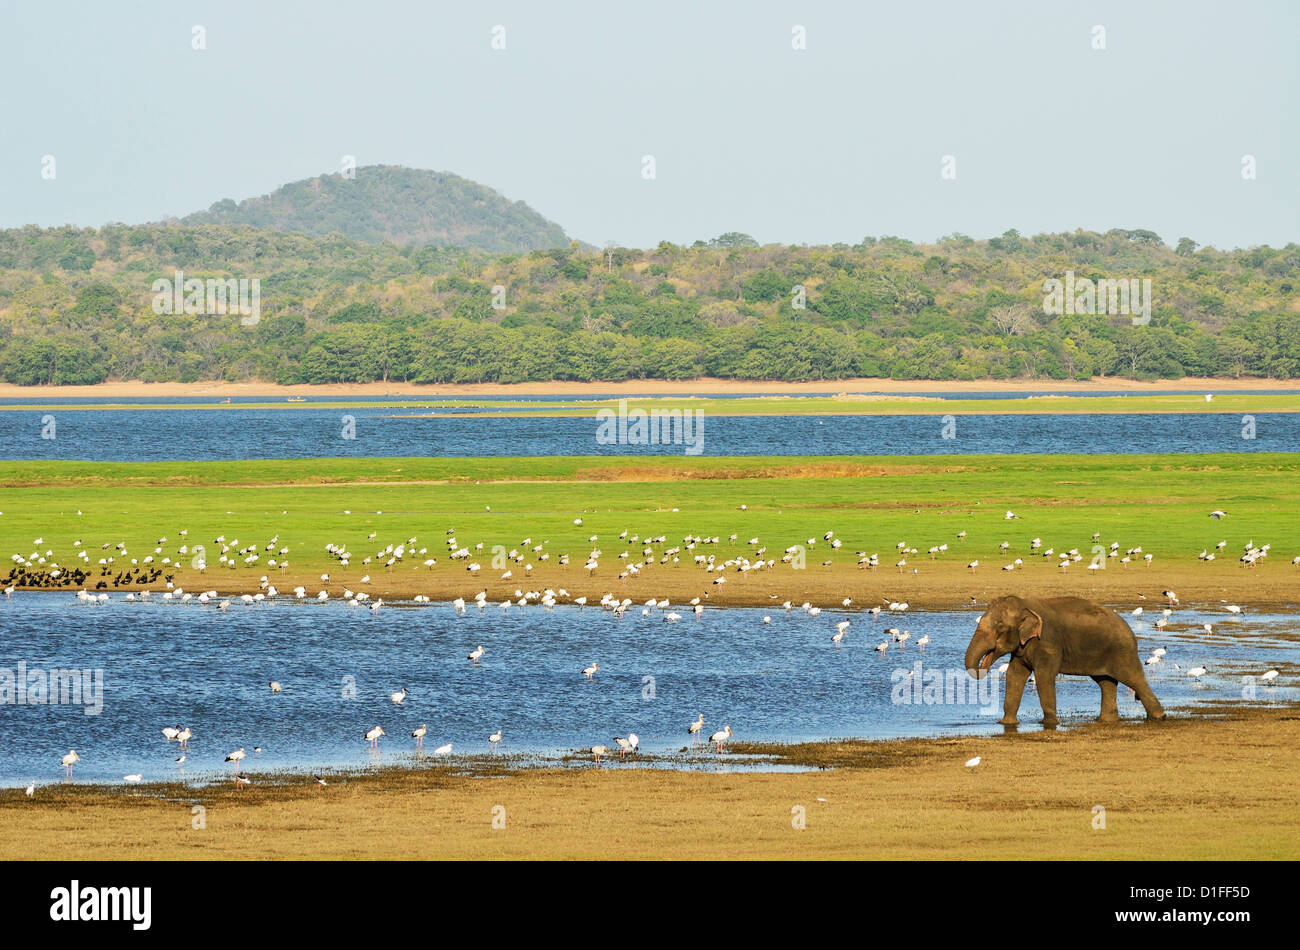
pixel 1195 787
pixel 1160 503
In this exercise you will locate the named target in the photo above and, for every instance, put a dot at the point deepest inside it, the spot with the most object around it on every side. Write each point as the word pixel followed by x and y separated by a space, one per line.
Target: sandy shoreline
pixel 941 586
pixel 220 389
pixel 1033 795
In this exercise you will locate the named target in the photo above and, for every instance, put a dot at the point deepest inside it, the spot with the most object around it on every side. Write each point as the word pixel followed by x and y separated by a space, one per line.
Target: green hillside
pixel 401 205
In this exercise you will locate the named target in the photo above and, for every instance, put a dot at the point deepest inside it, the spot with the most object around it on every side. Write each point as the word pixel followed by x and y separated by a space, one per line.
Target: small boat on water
pixel 297 398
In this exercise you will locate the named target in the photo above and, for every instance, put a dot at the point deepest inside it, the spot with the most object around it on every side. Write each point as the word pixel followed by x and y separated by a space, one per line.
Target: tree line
pixel 76 306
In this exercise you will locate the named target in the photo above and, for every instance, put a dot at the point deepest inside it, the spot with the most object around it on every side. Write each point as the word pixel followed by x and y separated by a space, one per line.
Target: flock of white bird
pixel 1157 657
pixel 639 554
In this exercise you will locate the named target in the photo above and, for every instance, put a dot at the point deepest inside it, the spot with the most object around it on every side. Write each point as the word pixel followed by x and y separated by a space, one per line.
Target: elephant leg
pixel 1138 683
pixel 1017 675
pixel 1046 680
pixel 1109 708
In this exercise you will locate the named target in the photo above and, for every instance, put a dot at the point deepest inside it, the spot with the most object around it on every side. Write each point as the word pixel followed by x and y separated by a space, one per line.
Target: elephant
pixel 1059 635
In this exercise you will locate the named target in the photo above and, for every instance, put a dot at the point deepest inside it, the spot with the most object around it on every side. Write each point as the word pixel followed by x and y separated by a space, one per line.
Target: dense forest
pixel 76 306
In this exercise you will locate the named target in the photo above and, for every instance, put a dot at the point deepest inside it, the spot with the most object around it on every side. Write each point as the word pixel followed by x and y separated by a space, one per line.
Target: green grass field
pixel 1159 502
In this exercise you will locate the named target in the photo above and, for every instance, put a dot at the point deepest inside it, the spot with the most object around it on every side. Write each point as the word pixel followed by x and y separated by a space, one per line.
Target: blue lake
pixel 185 434
pixel 170 664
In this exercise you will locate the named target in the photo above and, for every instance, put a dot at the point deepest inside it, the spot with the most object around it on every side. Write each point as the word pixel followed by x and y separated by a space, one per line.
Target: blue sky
pixel 830 143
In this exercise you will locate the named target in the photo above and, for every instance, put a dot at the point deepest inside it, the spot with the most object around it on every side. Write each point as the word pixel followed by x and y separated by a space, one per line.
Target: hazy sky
pixel 830 143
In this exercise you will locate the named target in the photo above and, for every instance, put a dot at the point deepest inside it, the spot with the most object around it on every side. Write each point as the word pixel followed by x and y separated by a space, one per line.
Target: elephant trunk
pixel 982 651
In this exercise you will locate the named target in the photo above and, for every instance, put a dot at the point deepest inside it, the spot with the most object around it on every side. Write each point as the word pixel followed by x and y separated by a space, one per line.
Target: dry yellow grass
pixel 1197 787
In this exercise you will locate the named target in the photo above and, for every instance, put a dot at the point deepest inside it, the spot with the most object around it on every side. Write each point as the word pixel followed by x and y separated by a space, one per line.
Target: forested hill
pixel 76 306
pixel 389 203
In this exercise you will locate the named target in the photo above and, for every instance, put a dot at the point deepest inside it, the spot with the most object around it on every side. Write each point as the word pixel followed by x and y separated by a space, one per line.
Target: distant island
pixel 401 275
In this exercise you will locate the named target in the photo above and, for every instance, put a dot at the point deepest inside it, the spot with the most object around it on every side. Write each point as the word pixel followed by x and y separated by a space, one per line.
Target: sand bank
pixel 1191 787
pixel 135 389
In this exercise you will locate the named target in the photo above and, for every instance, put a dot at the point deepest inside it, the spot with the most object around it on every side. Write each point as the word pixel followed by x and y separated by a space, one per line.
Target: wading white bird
pixel 399 697
pixel 494 740
pixel 695 729
pixel 236 757
pixel 70 760
pixel 132 778
pixel 184 736
pixel 971 763
pixel 720 737
pixel 31 790
pixel 598 751
pixel 170 732
pixel 275 686
pixel 420 733
pixel 1269 676
pixel 624 746
pixel 1196 672
pixel 373 736
pixel 443 749
pixel 476 654
pixel 590 671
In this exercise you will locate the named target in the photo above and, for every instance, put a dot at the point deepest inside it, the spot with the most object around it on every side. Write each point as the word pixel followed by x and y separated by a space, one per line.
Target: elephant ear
pixel 1030 626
